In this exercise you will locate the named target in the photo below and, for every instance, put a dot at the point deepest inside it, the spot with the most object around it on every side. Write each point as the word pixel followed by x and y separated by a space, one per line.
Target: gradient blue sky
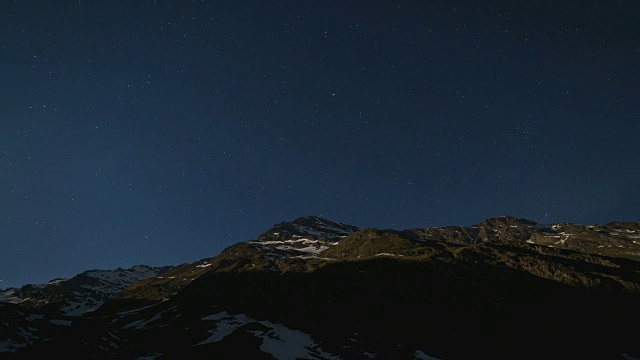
pixel 161 132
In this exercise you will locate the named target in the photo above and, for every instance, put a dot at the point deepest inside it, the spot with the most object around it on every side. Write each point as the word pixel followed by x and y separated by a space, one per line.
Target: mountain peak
pixel 507 220
pixel 310 227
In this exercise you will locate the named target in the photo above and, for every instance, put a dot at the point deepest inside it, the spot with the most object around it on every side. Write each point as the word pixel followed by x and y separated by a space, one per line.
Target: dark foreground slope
pixel 374 294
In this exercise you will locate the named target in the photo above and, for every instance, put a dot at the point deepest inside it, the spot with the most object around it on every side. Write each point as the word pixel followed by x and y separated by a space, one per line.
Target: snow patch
pixel 279 341
pixel 55 281
pixel 422 356
pixel 226 325
pixel 306 250
pixel 290 241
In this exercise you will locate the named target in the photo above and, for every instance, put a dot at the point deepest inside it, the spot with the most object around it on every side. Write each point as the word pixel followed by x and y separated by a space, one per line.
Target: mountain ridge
pixel 346 292
pixel 81 293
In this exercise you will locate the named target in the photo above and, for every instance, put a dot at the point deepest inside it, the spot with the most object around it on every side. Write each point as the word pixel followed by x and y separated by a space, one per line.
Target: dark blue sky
pixel 162 132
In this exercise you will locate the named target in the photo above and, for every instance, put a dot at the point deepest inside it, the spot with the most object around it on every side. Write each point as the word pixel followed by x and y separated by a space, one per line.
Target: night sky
pixel 160 133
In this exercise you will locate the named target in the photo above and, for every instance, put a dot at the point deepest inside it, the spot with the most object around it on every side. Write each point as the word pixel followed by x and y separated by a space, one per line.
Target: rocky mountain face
pixel 614 239
pixel 303 238
pixel 38 312
pixel 82 293
pixel 318 289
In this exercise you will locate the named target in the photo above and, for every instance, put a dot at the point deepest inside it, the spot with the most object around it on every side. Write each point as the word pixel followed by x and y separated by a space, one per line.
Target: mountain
pixel 302 238
pixel 614 239
pixel 82 293
pixel 305 237
pixel 313 288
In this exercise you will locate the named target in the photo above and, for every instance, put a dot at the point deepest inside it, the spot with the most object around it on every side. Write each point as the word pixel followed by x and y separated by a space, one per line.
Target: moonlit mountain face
pixel 313 288
pixel 304 237
pixel 81 293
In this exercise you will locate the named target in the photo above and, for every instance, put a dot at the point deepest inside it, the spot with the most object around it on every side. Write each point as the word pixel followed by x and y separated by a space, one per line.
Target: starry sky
pixel 160 132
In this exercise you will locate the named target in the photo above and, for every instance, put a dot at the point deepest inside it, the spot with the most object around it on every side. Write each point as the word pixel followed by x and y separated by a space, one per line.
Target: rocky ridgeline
pixel 312 227
pixel 82 293
pixel 302 244
pixel 613 239
pixel 314 288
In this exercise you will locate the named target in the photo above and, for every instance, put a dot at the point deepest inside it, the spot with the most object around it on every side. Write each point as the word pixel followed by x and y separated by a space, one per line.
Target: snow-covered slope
pixel 81 293
pixel 304 237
